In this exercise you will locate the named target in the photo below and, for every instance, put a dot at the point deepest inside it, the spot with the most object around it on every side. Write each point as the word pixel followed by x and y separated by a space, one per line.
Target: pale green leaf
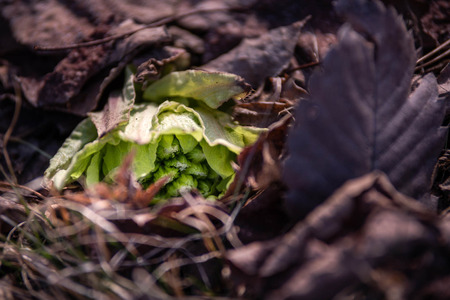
pixel 187 142
pixel 218 158
pixel 196 155
pixel 94 168
pixel 219 129
pixel 211 88
pixel 84 133
pixel 144 159
pixel 139 126
pixel 168 147
pixel 113 157
pixel 203 123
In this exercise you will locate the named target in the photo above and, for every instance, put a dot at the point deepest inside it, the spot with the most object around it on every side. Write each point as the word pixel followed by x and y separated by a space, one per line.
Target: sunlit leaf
pixel 211 88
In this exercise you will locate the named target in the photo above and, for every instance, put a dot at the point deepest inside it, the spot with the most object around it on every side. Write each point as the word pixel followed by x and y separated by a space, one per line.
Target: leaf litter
pixel 280 231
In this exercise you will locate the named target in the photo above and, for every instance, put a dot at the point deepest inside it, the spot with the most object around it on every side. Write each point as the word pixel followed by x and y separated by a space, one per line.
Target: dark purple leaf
pixel 256 59
pixel 360 117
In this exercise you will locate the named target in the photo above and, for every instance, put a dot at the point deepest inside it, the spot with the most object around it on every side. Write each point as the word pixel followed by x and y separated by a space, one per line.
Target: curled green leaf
pixel 211 88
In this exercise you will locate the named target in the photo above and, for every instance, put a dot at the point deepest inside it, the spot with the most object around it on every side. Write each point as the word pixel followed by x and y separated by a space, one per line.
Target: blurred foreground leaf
pixel 362 117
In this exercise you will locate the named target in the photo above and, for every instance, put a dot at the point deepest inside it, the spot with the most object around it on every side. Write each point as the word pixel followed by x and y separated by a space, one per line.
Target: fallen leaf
pixel 186 40
pixel 48 22
pixel 66 82
pixel 365 227
pixel 360 117
pixel 250 19
pixel 256 59
pixel 143 11
pixel 209 21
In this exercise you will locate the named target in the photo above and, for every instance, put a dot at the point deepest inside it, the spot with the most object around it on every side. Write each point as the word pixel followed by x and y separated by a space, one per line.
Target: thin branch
pixel 304 66
pixel 436 59
pixel 11 127
pixel 437 49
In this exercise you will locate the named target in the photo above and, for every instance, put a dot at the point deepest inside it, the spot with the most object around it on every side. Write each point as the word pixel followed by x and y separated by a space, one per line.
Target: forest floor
pixel 344 195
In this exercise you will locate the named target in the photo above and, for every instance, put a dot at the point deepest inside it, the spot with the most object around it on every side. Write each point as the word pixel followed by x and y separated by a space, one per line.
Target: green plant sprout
pixel 175 130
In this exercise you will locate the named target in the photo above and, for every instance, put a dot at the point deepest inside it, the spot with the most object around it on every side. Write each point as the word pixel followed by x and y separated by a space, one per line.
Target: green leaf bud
pixel 197 170
pixel 165 171
pixel 183 182
pixel 196 155
pixel 212 174
pixel 180 162
pixel 187 142
pixel 205 187
pixel 168 147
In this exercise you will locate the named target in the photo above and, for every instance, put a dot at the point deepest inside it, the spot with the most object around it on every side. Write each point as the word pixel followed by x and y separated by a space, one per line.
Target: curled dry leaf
pixel 117 110
pixel 161 62
pixel 56 23
pixel 186 40
pixel 143 11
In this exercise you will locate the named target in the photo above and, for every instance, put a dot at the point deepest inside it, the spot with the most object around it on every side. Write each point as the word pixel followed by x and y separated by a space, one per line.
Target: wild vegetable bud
pixel 187 140
pixel 197 169
pixel 168 147
pixel 196 155
pixel 183 182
